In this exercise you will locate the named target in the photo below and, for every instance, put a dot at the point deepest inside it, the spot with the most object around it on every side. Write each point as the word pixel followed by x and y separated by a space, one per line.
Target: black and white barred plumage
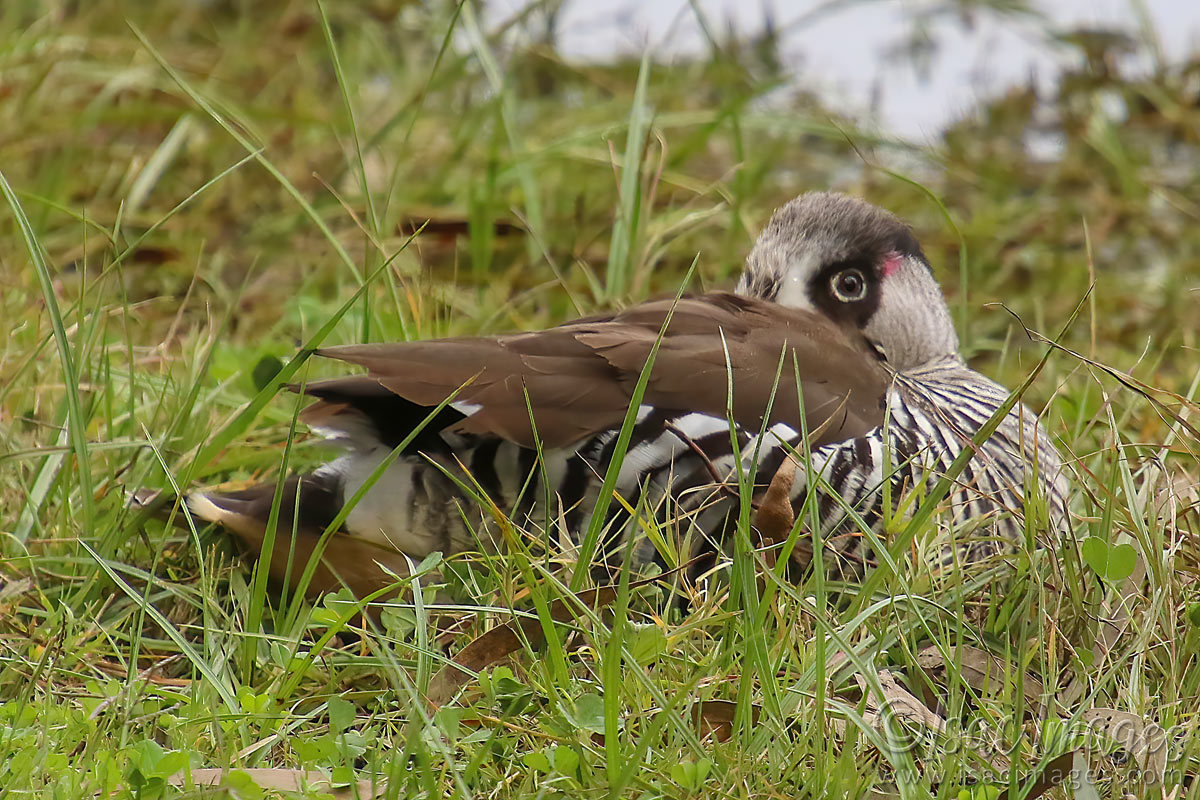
pixel 867 334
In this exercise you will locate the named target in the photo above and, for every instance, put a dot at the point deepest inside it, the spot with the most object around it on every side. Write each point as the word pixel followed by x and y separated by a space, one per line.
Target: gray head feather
pixel 809 240
pixel 825 228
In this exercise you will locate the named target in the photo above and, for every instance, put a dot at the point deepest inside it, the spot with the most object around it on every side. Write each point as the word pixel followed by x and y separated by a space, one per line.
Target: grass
pixel 194 194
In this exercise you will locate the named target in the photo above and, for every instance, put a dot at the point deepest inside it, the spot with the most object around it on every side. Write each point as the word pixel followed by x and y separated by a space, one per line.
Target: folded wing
pixel 719 354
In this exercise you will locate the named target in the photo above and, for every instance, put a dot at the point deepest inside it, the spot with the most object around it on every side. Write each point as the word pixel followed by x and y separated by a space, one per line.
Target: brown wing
pixel 579 378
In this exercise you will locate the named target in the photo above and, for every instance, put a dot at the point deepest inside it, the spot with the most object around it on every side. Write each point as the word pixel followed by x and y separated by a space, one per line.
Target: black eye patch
pixel 857 312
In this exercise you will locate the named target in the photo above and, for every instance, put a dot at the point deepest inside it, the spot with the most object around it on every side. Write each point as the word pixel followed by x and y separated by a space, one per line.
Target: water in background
pixel 913 67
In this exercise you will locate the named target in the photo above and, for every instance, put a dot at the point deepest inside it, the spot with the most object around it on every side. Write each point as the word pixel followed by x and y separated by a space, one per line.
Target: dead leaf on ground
pixel 1145 741
pixel 904 705
pixel 503 640
pixel 449 226
pixel 897 701
pixel 901 704
pixel 982 671
pixel 716 717
pixel 1057 771
pixel 280 780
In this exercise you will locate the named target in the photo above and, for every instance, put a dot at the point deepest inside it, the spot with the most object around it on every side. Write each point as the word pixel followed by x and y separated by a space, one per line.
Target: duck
pixel 836 351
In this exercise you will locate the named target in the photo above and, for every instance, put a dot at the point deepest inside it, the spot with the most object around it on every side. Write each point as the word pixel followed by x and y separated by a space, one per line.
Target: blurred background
pixel 912 68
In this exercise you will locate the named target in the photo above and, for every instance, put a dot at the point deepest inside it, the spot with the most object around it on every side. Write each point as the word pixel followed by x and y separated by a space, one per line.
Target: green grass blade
pixel 220 685
pixel 76 421
pixel 629 204
pixel 591 539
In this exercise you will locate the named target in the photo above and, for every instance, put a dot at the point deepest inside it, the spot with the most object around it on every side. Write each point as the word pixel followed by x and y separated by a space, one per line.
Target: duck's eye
pixel 849 286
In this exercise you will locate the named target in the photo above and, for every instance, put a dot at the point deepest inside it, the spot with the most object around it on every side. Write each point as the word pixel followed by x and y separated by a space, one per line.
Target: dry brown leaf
pixel 1055 773
pixel 432 223
pixel 280 780
pixel 903 705
pixel 12 592
pixel 899 702
pixel 885 790
pixel 982 671
pixel 14 588
pixel 1145 741
pixel 1175 495
pixel 506 639
pixel 716 717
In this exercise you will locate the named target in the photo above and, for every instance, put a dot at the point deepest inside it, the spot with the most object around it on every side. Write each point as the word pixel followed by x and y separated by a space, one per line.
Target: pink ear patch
pixel 891 264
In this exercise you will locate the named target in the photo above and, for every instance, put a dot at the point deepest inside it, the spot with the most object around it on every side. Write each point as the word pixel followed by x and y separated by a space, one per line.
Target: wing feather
pixel 578 378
